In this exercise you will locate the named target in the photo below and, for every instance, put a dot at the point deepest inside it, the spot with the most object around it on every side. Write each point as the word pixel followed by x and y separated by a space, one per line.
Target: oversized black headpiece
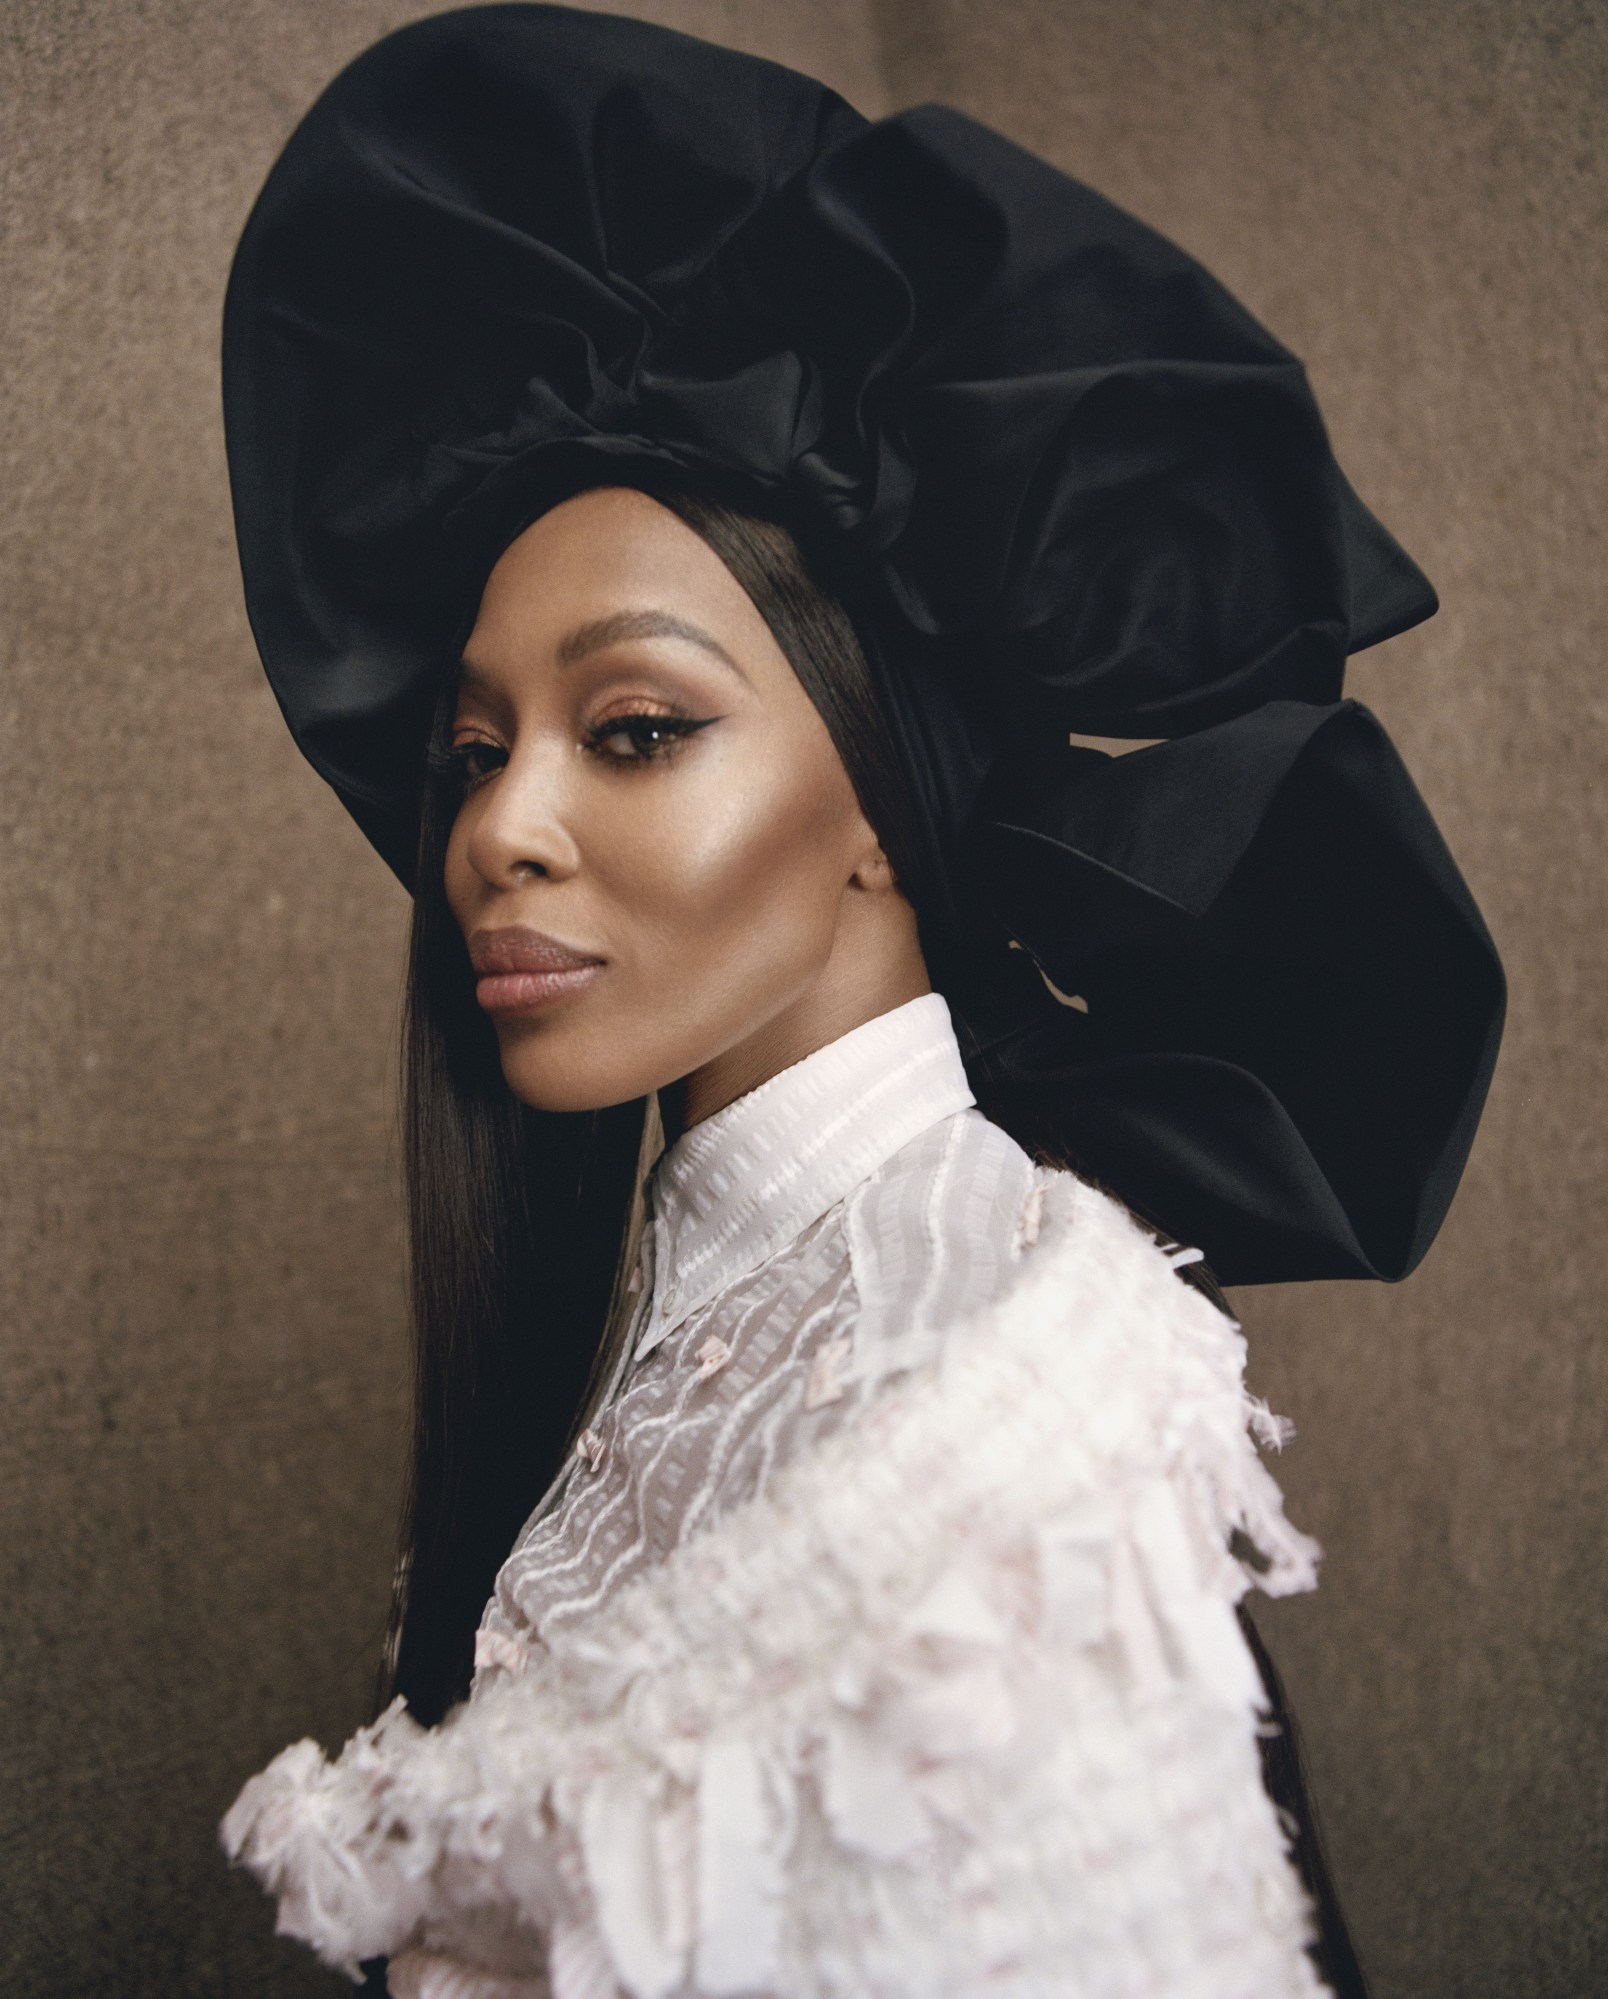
pixel 1064 483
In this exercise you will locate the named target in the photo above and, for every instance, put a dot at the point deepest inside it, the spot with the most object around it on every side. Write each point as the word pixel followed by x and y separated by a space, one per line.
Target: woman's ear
pixel 874 872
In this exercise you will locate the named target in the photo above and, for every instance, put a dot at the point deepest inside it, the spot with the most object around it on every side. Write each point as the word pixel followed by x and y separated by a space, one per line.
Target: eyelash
pixel 456 761
pixel 670 726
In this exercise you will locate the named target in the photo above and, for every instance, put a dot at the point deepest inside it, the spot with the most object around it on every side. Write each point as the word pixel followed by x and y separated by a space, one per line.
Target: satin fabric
pixel 1063 482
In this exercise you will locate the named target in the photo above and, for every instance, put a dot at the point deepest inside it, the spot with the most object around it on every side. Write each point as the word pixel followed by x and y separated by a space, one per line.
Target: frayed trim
pixel 959 1708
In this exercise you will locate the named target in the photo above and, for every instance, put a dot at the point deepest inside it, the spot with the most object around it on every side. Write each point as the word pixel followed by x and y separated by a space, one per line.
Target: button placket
pixel 670 1295
pixel 649 1324
pixel 640 1287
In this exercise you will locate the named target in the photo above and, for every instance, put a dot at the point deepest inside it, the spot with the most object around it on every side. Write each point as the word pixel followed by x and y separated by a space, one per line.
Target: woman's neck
pixel 866 975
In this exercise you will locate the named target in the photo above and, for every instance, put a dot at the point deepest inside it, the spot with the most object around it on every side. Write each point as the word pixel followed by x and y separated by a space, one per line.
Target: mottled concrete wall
pixel 199 1298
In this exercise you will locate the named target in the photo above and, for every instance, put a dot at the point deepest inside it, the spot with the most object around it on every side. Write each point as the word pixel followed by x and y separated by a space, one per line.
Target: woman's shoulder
pixel 973 1254
pixel 962 1224
pixel 1091 1368
pixel 933 1236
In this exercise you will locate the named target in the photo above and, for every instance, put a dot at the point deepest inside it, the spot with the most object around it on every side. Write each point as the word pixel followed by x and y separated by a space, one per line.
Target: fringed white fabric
pixel 959 1708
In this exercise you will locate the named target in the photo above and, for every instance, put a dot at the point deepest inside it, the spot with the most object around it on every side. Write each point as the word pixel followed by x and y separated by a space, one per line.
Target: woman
pixel 686 524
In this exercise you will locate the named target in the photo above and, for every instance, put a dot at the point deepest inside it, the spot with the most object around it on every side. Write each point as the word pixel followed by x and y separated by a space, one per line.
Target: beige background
pixel 203 1350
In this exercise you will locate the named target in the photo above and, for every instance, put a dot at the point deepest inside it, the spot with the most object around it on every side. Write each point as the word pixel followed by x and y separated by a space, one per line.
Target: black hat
pixel 1064 483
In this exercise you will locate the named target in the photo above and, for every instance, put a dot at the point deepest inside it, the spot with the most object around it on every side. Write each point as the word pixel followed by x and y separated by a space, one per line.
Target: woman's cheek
pixel 733 856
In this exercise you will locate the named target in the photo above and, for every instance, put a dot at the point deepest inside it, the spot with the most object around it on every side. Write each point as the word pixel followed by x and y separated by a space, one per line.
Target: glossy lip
pixel 520 971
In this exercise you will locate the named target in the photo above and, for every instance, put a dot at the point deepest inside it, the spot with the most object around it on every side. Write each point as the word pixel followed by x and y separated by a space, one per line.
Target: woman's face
pixel 659 866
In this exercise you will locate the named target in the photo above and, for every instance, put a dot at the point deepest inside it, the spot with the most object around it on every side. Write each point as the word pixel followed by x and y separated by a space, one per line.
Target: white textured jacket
pixel 879 1642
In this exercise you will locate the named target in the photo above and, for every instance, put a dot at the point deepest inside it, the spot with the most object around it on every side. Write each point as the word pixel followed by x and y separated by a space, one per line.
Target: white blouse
pixel 878 1641
pixel 792 1243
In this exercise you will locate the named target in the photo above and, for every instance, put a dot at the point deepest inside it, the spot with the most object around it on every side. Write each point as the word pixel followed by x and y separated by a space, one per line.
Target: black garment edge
pixel 1284 1779
pixel 1284 1770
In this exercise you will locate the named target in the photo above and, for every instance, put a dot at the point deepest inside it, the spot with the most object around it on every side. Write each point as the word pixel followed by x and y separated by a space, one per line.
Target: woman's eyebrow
pixel 622 625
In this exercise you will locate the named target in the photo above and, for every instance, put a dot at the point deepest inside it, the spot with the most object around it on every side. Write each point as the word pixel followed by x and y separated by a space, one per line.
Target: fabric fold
pixel 1272 946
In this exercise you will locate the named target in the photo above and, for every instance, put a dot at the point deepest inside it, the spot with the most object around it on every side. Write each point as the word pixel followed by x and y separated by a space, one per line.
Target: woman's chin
pixel 548 1079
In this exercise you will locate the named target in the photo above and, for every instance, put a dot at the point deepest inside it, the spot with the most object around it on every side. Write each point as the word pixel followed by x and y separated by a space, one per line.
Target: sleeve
pixel 960 1710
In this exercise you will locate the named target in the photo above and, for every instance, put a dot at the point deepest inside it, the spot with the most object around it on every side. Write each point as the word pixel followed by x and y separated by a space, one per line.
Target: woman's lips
pixel 519 971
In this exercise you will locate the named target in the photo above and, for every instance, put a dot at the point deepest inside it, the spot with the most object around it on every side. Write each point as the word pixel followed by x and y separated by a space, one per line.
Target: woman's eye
pixel 639 738
pixel 473 761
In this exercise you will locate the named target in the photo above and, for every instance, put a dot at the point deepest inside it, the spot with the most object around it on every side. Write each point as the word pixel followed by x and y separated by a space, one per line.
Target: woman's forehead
pixel 608 568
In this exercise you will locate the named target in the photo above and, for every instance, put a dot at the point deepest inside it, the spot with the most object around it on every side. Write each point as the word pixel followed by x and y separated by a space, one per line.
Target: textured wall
pixel 199 1303
pixel 1413 196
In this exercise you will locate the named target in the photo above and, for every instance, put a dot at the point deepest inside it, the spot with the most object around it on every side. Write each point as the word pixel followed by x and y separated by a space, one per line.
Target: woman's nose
pixel 520 828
